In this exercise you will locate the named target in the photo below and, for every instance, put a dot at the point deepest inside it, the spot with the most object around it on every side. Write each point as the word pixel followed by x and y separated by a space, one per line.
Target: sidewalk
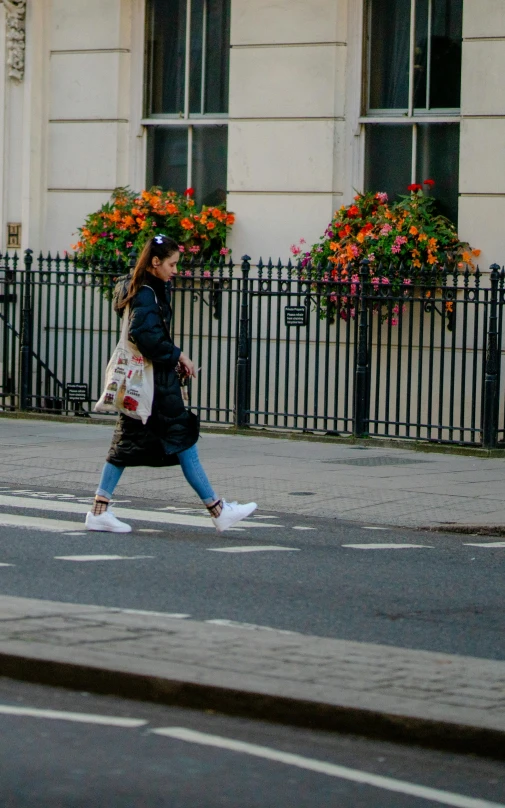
pixel 415 696
pixel 379 485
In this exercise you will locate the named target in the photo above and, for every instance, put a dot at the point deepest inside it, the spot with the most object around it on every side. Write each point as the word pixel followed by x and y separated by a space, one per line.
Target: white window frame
pixel 410 116
pixel 185 118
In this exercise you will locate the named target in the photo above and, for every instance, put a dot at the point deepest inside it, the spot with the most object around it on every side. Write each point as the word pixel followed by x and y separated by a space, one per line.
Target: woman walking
pixel 170 434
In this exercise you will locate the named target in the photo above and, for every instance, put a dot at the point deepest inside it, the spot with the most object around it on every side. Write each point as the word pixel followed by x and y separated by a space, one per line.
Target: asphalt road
pixel 305 575
pixel 105 751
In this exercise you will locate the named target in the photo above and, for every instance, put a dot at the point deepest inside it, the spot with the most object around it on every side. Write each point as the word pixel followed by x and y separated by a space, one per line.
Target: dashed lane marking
pixel 133 514
pixel 388 546
pixel 171 615
pixel 7 565
pixel 99 558
pixel 81 718
pixel 247 626
pixel 38 523
pixel 323 767
pixel 254 549
pixel 301 527
pixel 373 527
pixel 485 544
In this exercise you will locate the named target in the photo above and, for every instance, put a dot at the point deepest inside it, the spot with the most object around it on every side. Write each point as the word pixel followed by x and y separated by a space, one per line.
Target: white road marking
pixel 134 514
pixel 330 769
pixel 248 626
pixel 99 558
pixel 254 549
pixel 374 527
pixel 387 546
pixel 7 565
pixel 76 533
pixel 149 530
pixel 300 527
pixel 81 718
pixel 485 544
pixel 37 523
pixel 172 615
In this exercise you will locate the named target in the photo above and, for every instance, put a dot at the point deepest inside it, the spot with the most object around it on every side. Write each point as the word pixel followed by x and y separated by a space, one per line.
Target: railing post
pixel 26 337
pixel 490 411
pixel 242 379
pixel 361 414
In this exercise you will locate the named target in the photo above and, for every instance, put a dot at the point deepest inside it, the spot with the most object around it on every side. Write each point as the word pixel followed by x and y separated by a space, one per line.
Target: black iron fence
pixel 278 346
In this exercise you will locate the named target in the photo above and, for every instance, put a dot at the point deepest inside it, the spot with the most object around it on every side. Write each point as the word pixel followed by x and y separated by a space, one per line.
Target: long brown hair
pixel 157 247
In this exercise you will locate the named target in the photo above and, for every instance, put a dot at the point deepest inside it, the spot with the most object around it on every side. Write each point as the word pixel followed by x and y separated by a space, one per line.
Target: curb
pixel 373 724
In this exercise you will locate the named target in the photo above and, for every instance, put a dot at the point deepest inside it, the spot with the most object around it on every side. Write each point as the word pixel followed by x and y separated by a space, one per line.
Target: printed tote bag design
pixel 129 379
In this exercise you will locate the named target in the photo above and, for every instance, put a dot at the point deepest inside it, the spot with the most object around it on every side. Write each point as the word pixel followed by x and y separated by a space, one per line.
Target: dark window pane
pixel 210 151
pixel 167 54
pixel 389 54
pixel 445 85
pixel 167 158
pixel 195 72
pixel 217 58
pixel 388 158
pixel 438 159
pixel 421 54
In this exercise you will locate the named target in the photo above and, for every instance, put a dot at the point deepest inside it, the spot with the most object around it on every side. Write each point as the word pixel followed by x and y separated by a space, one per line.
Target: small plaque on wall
pixel 14 235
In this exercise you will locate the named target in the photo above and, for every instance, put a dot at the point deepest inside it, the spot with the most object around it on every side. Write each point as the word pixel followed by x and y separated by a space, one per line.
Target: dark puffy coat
pixel 171 428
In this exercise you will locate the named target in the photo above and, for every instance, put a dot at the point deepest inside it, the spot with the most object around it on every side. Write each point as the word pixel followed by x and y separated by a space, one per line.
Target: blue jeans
pixel 191 468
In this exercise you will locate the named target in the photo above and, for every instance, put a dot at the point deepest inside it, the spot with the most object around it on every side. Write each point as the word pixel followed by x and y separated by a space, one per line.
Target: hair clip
pixel 159 239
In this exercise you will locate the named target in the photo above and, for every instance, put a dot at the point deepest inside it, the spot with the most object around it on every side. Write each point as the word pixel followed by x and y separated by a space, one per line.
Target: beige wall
pixel 71 131
pixel 287 121
pixel 482 160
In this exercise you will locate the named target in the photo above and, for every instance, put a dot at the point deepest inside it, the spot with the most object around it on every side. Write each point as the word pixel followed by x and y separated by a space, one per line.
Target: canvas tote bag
pixel 129 379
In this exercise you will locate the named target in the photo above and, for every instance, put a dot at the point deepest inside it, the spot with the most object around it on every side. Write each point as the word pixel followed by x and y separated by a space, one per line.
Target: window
pixel 413 96
pixel 188 45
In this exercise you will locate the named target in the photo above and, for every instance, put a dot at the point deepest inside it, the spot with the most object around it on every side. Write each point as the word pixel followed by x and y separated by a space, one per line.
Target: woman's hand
pixel 187 365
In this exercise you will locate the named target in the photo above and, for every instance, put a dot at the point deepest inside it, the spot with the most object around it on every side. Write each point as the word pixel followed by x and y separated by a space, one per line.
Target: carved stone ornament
pixel 15 36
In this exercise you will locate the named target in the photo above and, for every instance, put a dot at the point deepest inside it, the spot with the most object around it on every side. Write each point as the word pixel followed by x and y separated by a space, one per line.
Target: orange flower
pixel 432 259
pixel 476 253
pixel 216 213
pixel 129 221
pixel 416 263
pixel 211 225
pixel 187 224
pixel 413 231
pixel 171 208
pixel 423 237
pixel 230 219
pixel 333 245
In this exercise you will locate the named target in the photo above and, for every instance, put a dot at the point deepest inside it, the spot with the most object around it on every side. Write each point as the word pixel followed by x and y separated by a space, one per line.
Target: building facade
pixel 282 109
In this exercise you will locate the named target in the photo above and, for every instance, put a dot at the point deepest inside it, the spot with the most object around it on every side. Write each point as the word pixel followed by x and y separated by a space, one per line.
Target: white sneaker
pixel 107 522
pixel 231 514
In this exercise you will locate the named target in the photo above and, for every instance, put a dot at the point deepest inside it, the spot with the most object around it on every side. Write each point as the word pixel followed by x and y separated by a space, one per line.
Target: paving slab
pixel 440 700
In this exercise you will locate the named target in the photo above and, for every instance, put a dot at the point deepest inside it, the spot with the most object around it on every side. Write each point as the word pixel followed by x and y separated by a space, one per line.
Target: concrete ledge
pixel 435 700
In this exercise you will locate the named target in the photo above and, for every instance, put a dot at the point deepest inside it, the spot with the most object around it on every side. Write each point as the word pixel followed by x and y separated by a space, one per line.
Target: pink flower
pixel 181 248
pixel 295 250
pixel 382 197
pixel 395 248
pixel 401 240
pixel 195 249
pixel 354 250
pixel 302 241
pixel 396 309
pixel 407 281
pixel 223 251
pixel 375 282
pixel 353 313
pixel 129 243
pixel 385 281
pixel 385 230
pixel 393 321
pixel 206 274
pixel 188 272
